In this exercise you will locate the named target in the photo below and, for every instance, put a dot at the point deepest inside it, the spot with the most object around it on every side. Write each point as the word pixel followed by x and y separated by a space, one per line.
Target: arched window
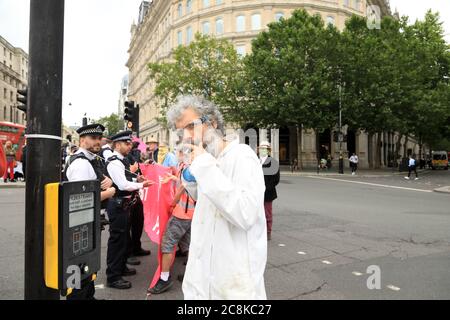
pixel 205 27
pixel 188 6
pixel 180 10
pixel 219 26
pixel 256 21
pixel 240 23
pixel 278 16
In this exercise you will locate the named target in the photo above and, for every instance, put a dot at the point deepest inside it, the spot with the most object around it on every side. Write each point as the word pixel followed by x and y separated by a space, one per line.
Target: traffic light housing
pixel 22 97
pixel 131 114
pixel 129 111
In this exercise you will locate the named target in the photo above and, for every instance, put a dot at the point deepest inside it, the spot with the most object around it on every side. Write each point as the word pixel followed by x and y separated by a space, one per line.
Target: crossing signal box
pixel 71 234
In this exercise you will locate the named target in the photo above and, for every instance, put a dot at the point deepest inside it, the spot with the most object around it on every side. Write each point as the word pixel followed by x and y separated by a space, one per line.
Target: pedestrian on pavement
pixel 10 153
pixel 152 151
pixel 118 168
pixel 178 229
pixel 354 163
pixel 412 167
pixel 271 170
pixel 24 161
pixel 83 165
pixel 228 250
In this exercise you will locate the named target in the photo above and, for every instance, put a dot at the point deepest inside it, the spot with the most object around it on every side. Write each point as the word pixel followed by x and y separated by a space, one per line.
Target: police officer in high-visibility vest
pixel 118 210
pixel 84 165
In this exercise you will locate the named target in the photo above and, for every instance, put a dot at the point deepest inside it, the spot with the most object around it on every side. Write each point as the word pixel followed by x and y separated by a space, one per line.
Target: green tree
pixel 293 74
pixel 208 66
pixel 112 123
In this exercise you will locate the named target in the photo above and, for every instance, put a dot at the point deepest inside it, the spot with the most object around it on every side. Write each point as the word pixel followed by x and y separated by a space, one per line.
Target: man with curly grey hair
pixel 228 250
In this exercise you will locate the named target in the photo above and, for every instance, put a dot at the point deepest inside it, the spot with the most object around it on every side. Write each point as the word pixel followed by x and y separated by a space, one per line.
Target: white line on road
pixel 371 184
pixel 282 245
pixel 394 288
pixel 301 252
pixel 100 286
pixel 327 262
pixel 356 273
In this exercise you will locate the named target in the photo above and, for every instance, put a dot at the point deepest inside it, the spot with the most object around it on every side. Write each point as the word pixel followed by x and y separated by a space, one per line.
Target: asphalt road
pixel 327 231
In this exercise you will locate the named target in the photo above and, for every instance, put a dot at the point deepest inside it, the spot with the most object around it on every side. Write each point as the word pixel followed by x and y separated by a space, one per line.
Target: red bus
pixel 15 133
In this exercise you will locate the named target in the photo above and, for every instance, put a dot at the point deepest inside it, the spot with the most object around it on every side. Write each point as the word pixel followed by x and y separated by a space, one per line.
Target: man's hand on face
pixel 195 150
pixel 106 183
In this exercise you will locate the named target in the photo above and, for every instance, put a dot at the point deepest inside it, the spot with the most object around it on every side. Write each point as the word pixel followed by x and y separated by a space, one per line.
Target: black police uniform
pixel 88 170
pixel 118 213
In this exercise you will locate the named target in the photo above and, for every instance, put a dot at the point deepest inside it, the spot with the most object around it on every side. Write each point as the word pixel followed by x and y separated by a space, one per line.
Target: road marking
pixel 282 245
pixel 327 262
pixel 372 184
pixel 394 288
pixel 356 273
pixel 100 286
pixel 301 252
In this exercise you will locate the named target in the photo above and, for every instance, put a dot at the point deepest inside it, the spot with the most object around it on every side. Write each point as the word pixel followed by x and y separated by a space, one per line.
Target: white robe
pixel 228 250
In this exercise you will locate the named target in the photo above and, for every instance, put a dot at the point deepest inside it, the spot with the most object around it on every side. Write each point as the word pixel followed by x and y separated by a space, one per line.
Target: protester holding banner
pixel 177 231
pixel 228 250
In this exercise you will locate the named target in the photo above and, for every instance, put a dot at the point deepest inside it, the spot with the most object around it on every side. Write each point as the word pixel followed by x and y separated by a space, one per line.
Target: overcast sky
pixel 97 36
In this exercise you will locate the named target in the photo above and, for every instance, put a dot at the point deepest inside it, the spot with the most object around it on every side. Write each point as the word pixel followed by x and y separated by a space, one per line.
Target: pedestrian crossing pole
pixel 43 134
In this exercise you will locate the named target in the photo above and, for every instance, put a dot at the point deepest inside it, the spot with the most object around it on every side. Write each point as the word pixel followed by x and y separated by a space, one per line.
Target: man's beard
pixel 212 142
pixel 94 149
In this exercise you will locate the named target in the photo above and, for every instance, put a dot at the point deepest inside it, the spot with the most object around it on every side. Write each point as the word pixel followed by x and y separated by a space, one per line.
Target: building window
pixel 11 95
pixel 4 51
pixel 241 51
pixel 188 6
pixel 346 3
pixel 240 23
pixel 219 26
pixel 180 10
pixel 256 21
pixel 205 27
pixel 4 113
pixel 10 56
pixel 357 4
pixel 330 20
pixel 180 38
pixel 278 16
pixel 23 118
pixel 188 35
pixel 10 114
pixel 5 93
pixel 219 2
pixel 205 3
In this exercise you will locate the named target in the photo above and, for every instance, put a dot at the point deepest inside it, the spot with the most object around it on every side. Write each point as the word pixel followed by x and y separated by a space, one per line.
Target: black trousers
pixel 116 255
pixel 86 292
pixel 411 169
pixel 135 227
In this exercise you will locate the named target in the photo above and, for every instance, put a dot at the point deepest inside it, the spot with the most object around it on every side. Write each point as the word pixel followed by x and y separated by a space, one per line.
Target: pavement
pixel 330 235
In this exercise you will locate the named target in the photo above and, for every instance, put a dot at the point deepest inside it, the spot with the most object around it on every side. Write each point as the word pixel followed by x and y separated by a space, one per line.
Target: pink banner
pixel 157 200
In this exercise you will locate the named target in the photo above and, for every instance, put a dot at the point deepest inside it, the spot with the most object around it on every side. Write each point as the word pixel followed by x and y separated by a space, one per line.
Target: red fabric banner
pixel 157 200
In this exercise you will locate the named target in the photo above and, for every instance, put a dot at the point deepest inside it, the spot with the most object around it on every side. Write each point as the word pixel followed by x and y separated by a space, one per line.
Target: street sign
pixel 71 234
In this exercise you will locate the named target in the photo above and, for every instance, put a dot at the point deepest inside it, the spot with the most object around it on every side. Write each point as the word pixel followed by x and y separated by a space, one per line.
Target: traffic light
pixel 132 116
pixel 22 97
pixel 129 111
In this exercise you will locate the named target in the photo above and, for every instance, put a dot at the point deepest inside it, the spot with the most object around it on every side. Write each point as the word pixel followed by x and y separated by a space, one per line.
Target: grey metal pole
pixel 43 118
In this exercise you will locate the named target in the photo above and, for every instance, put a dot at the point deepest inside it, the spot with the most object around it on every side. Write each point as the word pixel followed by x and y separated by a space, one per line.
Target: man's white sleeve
pixel 238 198
pixel 116 171
pixel 80 170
